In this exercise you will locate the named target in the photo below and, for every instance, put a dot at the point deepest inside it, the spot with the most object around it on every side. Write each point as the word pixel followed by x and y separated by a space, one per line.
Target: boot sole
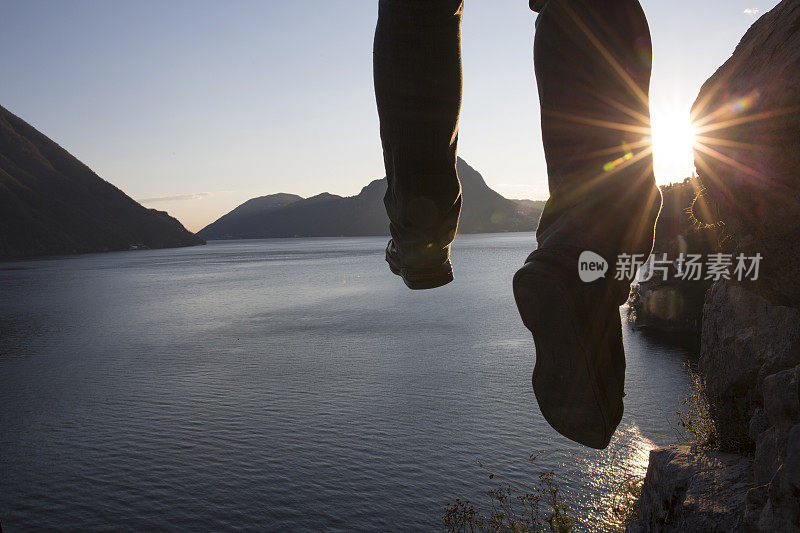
pixel 563 378
pixel 423 281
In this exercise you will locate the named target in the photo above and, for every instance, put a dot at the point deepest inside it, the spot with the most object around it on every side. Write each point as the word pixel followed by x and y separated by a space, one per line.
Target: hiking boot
pixel 421 276
pixel 579 375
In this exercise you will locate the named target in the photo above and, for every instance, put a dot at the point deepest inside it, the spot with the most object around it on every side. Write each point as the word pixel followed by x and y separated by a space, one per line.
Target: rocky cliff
pixel 748 158
pixel 51 203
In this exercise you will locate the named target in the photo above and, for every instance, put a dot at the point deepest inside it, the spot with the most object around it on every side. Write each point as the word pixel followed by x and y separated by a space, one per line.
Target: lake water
pixel 287 384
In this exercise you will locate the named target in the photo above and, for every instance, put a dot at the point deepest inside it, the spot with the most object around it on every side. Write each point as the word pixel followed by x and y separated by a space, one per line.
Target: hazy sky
pixel 196 106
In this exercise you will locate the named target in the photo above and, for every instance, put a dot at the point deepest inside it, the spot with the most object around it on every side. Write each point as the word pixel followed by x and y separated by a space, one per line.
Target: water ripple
pixel 285 384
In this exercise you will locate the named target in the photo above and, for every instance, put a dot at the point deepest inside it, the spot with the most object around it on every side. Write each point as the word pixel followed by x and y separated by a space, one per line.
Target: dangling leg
pixel 417 70
pixel 592 63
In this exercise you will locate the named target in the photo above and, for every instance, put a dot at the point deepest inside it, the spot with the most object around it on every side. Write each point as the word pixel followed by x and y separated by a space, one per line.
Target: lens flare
pixel 628 155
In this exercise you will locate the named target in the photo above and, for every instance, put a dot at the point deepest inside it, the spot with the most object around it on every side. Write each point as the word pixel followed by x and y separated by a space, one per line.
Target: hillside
pixel 51 203
pixel 327 215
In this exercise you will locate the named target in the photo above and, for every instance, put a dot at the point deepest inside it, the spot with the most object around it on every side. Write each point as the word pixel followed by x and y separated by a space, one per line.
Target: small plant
pixel 695 414
pixel 515 508
pixel 625 506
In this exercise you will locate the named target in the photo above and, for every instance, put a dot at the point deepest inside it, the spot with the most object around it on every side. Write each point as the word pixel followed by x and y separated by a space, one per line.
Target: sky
pixel 195 106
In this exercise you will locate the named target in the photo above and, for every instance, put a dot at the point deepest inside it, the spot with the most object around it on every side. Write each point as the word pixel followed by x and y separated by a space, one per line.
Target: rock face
pixel 51 203
pixel 750 358
pixel 748 153
pixel 675 496
pixel 745 341
pixel 748 115
pixel 328 215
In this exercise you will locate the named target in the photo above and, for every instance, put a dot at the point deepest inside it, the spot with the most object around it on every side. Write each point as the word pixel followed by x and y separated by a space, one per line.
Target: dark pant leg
pixel 593 64
pixel 417 70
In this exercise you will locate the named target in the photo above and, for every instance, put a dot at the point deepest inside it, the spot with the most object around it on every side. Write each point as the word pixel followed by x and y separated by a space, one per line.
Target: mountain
pixel 51 203
pixel 328 215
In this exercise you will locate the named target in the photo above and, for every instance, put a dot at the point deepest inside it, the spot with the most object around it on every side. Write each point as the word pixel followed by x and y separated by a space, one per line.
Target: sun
pixel 673 143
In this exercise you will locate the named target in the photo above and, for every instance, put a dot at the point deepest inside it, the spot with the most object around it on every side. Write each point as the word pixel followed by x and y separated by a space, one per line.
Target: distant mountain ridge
pixel 329 215
pixel 51 203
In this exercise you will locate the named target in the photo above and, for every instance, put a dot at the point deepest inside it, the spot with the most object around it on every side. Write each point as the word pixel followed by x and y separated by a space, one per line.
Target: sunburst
pixel 674 138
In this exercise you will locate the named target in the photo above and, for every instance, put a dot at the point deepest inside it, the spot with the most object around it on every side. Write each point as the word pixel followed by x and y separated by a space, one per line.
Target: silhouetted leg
pixel 593 64
pixel 417 69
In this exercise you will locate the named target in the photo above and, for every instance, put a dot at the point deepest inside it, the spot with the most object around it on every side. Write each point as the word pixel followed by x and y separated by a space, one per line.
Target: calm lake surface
pixel 287 384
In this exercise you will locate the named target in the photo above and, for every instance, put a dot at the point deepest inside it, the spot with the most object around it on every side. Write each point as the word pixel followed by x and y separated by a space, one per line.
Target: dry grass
pixel 699 428
pixel 514 508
